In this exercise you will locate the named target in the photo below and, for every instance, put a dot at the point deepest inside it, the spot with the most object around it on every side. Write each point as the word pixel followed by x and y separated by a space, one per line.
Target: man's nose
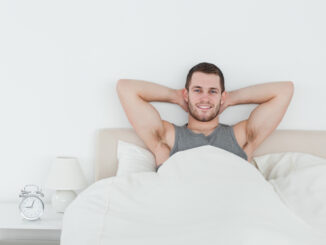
pixel 205 96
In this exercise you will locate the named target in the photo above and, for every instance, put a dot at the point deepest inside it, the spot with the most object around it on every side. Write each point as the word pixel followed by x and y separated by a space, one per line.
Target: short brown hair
pixel 206 68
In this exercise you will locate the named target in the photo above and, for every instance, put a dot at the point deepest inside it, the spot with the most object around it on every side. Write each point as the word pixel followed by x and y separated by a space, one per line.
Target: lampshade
pixel 66 174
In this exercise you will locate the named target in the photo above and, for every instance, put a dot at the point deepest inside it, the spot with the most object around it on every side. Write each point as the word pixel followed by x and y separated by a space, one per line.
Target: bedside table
pixel 14 229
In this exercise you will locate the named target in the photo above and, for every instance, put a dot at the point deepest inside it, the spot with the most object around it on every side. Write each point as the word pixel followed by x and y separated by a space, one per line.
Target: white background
pixel 60 61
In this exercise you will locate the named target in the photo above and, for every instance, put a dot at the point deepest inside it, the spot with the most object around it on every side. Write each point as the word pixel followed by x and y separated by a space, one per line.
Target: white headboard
pixel 313 142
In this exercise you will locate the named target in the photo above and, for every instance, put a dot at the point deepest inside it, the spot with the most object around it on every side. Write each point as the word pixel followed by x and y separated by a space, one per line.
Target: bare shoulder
pixel 169 133
pixel 240 133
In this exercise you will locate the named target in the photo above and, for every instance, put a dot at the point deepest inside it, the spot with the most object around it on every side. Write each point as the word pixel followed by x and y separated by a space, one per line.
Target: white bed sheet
pixel 204 195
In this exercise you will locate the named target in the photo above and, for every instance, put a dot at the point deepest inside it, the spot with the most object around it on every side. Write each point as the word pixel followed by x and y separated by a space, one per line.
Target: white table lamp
pixel 65 176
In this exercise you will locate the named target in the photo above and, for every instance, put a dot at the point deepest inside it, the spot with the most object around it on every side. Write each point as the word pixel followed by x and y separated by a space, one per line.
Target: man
pixel 204 98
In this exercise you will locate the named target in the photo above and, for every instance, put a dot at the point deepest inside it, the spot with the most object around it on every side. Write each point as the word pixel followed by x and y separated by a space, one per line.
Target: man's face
pixel 204 96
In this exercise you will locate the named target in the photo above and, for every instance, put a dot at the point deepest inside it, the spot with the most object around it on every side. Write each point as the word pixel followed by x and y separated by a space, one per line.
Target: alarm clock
pixel 31 206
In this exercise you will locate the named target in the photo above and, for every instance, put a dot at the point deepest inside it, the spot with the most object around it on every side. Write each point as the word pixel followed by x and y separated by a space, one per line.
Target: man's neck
pixel 202 127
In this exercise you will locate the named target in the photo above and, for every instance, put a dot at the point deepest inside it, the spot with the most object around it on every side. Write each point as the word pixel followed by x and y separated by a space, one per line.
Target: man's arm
pixel 135 96
pixel 273 99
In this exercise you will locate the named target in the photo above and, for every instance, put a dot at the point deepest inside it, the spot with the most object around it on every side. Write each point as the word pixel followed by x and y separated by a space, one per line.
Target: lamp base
pixel 61 200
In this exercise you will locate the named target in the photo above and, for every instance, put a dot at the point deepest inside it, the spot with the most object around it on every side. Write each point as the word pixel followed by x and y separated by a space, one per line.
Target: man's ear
pixel 185 94
pixel 223 97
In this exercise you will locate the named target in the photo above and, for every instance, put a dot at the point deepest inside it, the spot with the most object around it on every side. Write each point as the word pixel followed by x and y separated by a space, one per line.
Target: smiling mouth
pixel 204 108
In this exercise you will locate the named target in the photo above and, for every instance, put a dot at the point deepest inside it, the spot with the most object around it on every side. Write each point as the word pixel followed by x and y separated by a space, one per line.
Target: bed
pixel 187 204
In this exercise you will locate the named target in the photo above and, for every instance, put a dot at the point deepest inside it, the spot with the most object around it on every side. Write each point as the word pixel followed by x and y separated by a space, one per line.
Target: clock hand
pixel 31 205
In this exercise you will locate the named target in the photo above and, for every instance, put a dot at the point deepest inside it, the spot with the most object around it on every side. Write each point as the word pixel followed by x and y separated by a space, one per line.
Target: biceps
pixel 265 118
pixel 144 118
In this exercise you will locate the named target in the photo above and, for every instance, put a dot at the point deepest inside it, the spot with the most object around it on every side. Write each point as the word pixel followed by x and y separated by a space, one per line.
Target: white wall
pixel 60 60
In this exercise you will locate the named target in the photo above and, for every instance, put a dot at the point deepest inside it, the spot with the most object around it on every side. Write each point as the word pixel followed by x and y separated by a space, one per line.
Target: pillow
pixel 276 165
pixel 300 181
pixel 134 159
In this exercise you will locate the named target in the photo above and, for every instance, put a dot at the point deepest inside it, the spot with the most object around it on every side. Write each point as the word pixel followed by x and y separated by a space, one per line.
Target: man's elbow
pixel 121 83
pixel 291 84
pixel 289 88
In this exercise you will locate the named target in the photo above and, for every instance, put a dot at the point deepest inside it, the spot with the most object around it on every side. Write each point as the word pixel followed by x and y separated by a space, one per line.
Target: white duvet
pixel 300 181
pixel 203 195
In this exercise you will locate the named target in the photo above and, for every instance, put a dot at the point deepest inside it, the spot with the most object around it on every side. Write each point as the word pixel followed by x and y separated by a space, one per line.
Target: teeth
pixel 204 107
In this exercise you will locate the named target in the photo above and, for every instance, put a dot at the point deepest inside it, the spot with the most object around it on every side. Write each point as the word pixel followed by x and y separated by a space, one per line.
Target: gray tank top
pixel 222 137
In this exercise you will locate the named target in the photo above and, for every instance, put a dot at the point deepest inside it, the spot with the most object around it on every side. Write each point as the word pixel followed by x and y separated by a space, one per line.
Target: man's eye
pixel 214 91
pixel 196 90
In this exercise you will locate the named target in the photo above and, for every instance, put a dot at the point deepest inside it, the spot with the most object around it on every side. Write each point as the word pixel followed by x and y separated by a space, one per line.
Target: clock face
pixel 31 207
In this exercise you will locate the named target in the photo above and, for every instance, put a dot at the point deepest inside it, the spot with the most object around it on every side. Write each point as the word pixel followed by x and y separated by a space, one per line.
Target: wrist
pixel 177 96
pixel 229 101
